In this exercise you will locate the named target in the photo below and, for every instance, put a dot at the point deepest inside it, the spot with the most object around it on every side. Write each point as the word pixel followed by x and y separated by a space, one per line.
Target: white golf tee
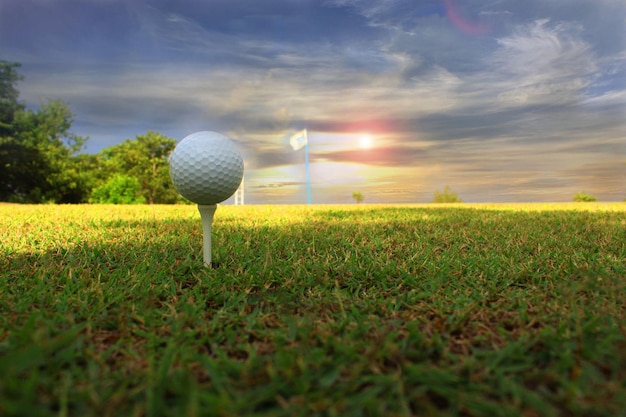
pixel 206 213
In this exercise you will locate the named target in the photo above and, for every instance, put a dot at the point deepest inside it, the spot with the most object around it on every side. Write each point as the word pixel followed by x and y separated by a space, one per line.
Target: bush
pixel 119 189
pixel 447 196
pixel 584 197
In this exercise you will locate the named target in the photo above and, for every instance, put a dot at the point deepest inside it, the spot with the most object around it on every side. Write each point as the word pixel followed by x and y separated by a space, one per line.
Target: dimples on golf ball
pixel 206 167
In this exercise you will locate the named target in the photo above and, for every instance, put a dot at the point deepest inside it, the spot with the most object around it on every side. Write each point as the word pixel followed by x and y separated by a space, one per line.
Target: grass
pixel 468 310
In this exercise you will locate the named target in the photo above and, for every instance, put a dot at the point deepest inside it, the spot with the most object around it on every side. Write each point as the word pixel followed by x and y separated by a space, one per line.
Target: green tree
pixel 9 105
pixel 119 189
pixel 358 196
pixel 447 196
pixel 37 161
pixel 37 149
pixel 145 158
pixel 584 197
pixel 90 172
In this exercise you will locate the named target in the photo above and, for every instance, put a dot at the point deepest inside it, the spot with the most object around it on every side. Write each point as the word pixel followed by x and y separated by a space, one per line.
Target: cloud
pixel 539 94
pixel 174 30
pixel 549 64
pixel 280 184
pixel 387 156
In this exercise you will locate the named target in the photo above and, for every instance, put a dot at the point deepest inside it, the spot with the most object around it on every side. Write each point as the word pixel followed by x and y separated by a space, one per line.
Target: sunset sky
pixel 503 100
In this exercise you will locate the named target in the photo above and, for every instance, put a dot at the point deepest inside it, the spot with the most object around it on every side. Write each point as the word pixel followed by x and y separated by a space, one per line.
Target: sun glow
pixel 365 141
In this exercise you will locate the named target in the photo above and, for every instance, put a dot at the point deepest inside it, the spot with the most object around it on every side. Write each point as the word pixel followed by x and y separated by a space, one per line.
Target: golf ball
pixel 206 167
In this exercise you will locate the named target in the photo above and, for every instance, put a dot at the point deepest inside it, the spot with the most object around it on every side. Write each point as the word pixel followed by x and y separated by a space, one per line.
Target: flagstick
pixel 206 213
pixel 306 163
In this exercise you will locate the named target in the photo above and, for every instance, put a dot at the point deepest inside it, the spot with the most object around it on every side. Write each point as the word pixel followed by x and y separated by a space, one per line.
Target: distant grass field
pixel 462 310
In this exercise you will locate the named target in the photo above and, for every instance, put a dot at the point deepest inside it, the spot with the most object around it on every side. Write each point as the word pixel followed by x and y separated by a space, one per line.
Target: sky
pixel 502 100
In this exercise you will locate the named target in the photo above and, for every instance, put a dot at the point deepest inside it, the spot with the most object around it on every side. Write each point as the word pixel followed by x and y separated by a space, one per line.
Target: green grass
pixel 469 310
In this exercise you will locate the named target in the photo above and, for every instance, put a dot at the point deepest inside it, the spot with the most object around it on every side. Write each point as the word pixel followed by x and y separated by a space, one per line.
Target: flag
pixel 298 140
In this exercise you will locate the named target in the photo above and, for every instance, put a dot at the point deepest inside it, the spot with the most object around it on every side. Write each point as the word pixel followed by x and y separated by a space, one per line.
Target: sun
pixel 365 141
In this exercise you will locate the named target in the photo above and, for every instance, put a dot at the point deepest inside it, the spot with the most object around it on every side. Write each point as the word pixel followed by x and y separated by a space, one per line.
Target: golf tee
pixel 206 213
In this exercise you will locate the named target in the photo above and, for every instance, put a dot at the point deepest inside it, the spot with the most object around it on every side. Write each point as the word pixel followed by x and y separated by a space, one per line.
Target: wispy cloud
pixel 542 63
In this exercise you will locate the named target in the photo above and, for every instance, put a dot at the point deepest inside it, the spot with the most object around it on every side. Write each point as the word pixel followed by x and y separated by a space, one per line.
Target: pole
pixel 306 163
pixel 239 193
pixel 206 213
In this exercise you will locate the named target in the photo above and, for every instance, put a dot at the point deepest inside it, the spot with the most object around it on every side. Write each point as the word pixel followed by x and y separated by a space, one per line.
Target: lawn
pixel 363 310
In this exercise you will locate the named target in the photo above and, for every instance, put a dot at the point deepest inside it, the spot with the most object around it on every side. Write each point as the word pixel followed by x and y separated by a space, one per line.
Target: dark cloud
pixel 272 158
pixel 274 185
pixel 390 156
pixel 91 29
pixel 277 20
pixel 607 179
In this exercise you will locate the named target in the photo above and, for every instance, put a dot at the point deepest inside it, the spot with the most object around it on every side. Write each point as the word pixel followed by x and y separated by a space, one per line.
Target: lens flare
pixel 461 22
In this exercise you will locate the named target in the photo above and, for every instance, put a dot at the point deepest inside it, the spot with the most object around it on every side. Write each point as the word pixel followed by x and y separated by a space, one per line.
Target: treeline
pixel 40 159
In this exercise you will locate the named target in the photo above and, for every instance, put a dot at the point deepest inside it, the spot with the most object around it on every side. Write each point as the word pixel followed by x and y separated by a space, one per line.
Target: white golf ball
pixel 206 167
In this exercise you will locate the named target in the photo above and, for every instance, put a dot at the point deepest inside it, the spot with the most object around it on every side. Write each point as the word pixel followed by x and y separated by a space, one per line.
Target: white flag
pixel 298 140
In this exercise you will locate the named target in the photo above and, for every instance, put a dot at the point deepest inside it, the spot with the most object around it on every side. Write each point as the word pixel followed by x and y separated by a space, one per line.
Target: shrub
pixel 447 196
pixel 584 197
pixel 119 189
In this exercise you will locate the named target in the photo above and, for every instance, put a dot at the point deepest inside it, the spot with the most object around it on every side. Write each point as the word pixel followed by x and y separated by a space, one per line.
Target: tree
pixel 37 158
pixel 119 189
pixel 145 158
pixel 37 148
pixel 358 197
pixel 9 105
pixel 447 196
pixel 584 197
